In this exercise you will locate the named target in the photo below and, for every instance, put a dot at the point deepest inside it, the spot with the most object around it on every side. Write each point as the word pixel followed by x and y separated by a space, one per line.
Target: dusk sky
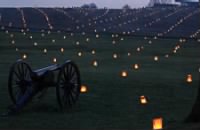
pixel 69 3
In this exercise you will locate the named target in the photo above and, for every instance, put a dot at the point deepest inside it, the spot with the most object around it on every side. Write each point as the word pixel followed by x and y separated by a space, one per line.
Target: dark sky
pixel 69 3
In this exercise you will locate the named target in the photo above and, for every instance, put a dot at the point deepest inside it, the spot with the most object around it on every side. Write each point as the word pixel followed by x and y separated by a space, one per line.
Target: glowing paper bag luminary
pixel 83 89
pixel 124 74
pixel 189 78
pixel 156 58
pixel 95 63
pixel 157 123
pixel 24 56
pixel 136 66
pixel 54 60
pixel 143 100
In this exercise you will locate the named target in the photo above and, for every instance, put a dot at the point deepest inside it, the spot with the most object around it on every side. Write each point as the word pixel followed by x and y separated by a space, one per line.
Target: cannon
pixel 24 84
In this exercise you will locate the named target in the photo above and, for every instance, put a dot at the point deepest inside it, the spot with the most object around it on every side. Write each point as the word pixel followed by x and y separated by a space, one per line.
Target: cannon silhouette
pixel 24 84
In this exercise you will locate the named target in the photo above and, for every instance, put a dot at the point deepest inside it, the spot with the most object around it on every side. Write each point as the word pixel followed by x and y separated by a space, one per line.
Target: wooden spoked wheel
pixel 19 80
pixel 68 85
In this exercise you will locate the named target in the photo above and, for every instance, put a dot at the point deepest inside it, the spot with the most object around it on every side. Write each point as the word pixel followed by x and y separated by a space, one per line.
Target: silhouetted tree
pixel 93 6
pixel 85 6
pixel 126 7
pixel 89 6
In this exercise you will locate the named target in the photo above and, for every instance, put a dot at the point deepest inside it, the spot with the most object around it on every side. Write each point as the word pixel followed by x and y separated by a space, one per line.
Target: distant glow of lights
pixel 97 35
pixel 83 33
pixel 113 42
pixel 136 66
pixel 11 35
pixel 35 43
pixel 93 52
pixel 166 56
pixel 42 34
pixel 138 49
pixel 62 50
pixel 115 56
pixel 77 43
pixel 24 56
pixel 54 60
pixel 79 53
pixel 95 63
pixel 13 41
pixel 45 50
pixel 53 40
pixel 174 51
pixel 87 39
pixel 46 18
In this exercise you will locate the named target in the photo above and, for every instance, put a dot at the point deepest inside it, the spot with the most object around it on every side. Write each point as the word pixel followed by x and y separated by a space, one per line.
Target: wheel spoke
pixel 18 94
pixel 63 99
pixel 73 72
pixel 69 101
pixel 26 73
pixel 73 97
pixel 74 79
pixel 74 90
pixel 62 84
pixel 68 69
pixel 19 79
pixel 22 69
pixel 19 70
pixel 64 73
pixel 62 80
pixel 17 75
pixel 68 84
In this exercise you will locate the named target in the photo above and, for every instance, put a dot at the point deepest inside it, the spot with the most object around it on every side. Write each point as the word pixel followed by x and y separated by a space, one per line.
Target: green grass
pixel 111 101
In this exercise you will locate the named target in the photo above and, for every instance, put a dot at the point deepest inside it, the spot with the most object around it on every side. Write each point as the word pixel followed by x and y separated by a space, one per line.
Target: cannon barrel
pixel 45 76
pixel 41 71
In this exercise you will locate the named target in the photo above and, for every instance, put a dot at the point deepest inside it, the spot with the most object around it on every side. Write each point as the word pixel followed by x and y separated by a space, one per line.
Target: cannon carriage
pixel 24 83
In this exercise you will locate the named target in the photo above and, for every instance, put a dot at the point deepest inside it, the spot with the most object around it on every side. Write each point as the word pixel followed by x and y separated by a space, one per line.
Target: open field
pixel 111 101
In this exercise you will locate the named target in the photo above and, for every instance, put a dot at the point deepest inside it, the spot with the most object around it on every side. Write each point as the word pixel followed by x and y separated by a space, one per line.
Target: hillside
pixel 155 21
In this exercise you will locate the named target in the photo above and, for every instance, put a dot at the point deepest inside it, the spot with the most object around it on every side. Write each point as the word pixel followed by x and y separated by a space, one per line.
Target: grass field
pixel 111 101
